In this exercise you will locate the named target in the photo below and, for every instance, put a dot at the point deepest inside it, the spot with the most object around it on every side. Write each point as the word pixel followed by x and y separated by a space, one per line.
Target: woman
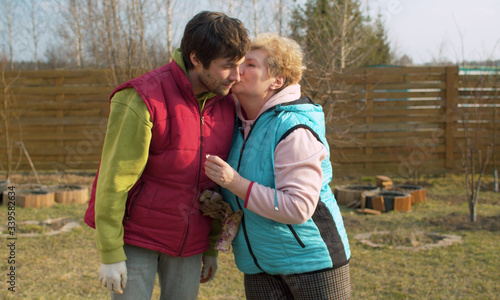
pixel 291 243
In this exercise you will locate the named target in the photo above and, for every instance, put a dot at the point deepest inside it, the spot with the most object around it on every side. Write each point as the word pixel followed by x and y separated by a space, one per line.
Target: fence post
pixel 59 82
pixel 451 96
pixel 369 123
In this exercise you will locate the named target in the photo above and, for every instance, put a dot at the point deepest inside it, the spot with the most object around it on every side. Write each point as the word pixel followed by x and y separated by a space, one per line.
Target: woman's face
pixel 255 80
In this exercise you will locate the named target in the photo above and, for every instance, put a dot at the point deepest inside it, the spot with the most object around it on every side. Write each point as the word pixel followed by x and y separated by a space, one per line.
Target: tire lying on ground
pixel 350 195
pixel 70 193
pixel 417 192
pixel 385 201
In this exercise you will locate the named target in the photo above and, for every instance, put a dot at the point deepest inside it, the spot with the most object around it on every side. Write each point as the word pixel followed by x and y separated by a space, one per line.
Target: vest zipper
pixel 297 237
pixel 202 121
pixel 247 239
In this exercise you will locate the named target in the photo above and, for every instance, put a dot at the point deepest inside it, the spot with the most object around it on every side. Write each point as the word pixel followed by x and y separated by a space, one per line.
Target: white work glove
pixel 113 276
pixel 208 269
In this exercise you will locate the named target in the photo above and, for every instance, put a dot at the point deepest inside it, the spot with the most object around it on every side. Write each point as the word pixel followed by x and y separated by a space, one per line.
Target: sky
pixel 425 30
pixel 453 30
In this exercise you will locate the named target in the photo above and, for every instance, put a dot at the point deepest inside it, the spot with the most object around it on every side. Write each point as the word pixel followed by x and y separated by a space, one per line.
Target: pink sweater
pixel 298 170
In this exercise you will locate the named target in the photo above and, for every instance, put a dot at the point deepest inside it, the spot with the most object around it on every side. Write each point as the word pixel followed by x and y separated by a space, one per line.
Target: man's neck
pixel 198 88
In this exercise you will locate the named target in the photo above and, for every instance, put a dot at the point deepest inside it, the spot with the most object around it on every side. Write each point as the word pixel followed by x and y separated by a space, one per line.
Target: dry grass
pixel 65 266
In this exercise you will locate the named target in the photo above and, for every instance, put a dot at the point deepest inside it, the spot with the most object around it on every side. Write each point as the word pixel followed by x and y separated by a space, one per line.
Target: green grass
pixel 65 266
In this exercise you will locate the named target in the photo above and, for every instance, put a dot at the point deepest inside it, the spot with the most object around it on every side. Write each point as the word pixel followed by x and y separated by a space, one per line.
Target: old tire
pixel 417 192
pixel 350 195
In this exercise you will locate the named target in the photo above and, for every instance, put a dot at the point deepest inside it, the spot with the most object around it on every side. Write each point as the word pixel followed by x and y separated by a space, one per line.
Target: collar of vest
pixel 302 100
pixel 281 107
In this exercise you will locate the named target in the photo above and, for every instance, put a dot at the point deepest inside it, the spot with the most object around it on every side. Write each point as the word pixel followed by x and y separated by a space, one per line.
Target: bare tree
pixel 279 16
pixel 8 12
pixel 92 33
pixel 169 28
pixel 477 101
pixel 403 60
pixel 258 17
pixel 125 38
pixel 255 17
pixel 472 157
pixel 108 33
pixel 35 12
pixel 77 31
pixel 70 28
pixel 334 38
pixel 477 94
pixel 442 53
pixel 9 22
pixel 34 32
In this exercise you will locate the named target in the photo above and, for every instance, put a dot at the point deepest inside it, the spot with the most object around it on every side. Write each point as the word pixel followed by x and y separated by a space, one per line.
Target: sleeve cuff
pixel 114 256
pixel 211 252
pixel 248 194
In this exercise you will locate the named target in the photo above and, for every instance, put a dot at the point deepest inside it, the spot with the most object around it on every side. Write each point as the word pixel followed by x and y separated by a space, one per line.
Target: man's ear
pixel 278 83
pixel 195 60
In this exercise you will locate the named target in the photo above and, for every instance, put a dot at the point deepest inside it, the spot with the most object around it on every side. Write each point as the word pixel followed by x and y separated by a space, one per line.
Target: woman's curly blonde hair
pixel 285 56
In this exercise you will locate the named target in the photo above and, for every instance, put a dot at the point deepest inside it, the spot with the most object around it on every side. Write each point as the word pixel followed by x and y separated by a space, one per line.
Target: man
pixel 145 196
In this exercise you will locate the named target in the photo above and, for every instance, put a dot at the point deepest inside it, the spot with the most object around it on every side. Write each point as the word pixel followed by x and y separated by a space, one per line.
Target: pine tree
pixel 378 48
pixel 336 35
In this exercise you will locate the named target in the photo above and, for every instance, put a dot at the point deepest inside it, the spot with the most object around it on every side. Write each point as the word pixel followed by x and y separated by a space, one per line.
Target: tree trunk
pixel 34 34
pixel 9 27
pixel 343 41
pixel 279 17
pixel 472 210
pixel 169 30
pixel 77 32
pixel 93 29
pixel 255 18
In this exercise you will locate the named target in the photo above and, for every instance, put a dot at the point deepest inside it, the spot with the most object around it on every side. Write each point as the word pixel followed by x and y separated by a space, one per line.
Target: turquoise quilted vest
pixel 263 245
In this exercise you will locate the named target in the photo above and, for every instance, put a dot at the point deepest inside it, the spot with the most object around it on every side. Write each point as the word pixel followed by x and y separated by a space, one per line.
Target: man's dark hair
pixel 214 35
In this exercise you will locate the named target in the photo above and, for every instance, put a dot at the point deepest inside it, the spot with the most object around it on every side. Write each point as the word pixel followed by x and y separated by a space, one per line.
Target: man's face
pixel 220 75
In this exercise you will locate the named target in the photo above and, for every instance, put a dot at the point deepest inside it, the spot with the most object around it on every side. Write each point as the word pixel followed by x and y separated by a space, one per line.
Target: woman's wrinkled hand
pixel 221 172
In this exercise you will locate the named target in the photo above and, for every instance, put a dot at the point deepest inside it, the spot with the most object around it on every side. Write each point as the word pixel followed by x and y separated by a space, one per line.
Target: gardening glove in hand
pixel 230 226
pixel 212 204
pixel 113 276
pixel 208 268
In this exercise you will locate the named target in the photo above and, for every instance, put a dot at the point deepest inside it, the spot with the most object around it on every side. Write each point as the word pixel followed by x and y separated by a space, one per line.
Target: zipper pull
pixel 202 120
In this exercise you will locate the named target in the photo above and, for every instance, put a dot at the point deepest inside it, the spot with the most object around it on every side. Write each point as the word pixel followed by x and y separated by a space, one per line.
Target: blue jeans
pixel 179 277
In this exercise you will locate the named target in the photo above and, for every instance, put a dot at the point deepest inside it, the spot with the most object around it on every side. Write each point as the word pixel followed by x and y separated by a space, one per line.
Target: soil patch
pixel 454 222
pixel 407 240
pixel 352 224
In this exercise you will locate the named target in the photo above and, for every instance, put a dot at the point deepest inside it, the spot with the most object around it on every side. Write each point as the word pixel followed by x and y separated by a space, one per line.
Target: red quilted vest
pixel 162 211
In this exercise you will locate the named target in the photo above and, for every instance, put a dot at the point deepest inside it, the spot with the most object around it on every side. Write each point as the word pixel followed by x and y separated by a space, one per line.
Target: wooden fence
pixel 392 121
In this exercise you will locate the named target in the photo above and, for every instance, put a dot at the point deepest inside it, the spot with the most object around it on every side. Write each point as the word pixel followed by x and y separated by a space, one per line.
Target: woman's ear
pixel 278 83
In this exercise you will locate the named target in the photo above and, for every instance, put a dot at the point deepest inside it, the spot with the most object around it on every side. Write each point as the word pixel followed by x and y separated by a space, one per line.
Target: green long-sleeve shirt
pixel 124 157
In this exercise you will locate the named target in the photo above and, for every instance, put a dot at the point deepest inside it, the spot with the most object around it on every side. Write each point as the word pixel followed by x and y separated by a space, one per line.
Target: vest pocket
pixel 134 195
pixel 297 237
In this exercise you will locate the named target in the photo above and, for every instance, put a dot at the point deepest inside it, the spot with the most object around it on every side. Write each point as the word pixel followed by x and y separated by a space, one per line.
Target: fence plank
pixel 379 120
pixel 451 95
